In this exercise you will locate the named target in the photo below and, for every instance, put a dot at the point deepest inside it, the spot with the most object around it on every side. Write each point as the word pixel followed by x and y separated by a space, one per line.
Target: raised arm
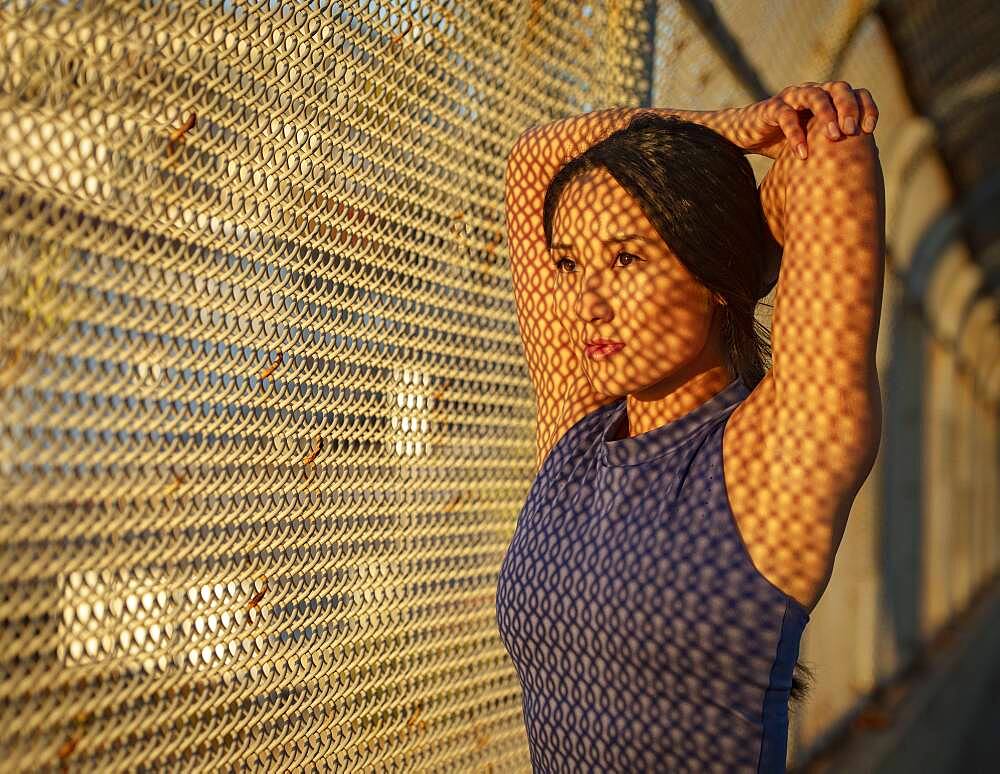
pixel 828 211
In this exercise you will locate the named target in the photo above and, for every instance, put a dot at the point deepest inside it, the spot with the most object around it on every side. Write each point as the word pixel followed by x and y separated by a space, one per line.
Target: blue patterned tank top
pixel 642 634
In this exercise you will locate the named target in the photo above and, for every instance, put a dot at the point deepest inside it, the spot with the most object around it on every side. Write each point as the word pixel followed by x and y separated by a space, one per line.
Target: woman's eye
pixel 632 258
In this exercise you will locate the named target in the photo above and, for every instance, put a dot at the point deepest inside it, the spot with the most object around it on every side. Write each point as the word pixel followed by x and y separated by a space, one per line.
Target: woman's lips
pixel 599 351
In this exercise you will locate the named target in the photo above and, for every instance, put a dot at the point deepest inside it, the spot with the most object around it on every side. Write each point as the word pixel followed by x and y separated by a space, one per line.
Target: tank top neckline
pixel 661 440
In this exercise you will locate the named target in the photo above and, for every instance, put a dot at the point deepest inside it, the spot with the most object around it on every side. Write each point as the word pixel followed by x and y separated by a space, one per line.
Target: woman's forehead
pixel 597 189
pixel 599 210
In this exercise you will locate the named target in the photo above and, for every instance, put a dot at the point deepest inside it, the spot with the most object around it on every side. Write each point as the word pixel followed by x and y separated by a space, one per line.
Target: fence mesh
pixel 266 420
pixel 266 423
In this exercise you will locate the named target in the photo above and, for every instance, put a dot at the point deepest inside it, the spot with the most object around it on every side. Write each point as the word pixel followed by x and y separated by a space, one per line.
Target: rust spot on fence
pixel 311 456
pixel 454 503
pixel 271 368
pixel 178 480
pixel 491 249
pixel 441 390
pixel 256 598
pixel 67 747
pixel 11 366
pixel 415 722
pixel 482 739
pixel 177 136
pixel 535 15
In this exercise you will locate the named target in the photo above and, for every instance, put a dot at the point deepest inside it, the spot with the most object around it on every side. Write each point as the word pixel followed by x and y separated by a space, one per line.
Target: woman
pixel 689 501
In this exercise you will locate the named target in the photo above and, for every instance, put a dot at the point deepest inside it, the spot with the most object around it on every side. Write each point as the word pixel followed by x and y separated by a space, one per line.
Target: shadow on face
pixel 614 278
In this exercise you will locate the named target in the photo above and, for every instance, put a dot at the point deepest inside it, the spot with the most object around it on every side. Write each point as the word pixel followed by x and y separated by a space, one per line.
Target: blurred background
pixel 266 423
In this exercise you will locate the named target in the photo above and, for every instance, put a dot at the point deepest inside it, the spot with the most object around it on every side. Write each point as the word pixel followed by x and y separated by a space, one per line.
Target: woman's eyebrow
pixel 610 241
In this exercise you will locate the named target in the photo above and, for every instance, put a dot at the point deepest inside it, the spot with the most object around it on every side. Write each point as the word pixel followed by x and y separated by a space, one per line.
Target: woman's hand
pixel 766 126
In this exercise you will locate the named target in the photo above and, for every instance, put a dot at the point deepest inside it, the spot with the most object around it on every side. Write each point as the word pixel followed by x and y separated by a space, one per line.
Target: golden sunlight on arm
pixel 829 212
pixel 804 441
pixel 562 392
pixel 553 360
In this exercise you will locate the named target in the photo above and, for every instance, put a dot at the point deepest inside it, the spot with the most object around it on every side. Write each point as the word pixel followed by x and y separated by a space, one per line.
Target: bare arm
pixel 828 212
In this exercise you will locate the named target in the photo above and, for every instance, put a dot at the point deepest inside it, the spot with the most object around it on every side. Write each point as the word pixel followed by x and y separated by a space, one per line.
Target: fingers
pixel 788 119
pixel 868 110
pixel 846 106
pixel 816 100
pixel 835 104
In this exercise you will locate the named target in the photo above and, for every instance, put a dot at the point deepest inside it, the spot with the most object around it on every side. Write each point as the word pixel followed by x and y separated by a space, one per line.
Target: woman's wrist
pixel 772 193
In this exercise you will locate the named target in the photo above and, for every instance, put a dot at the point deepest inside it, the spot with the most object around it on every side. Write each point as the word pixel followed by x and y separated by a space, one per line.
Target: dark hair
pixel 802 683
pixel 699 192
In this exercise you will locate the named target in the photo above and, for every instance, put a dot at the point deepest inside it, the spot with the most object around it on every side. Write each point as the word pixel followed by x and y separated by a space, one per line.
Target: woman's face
pixel 634 291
